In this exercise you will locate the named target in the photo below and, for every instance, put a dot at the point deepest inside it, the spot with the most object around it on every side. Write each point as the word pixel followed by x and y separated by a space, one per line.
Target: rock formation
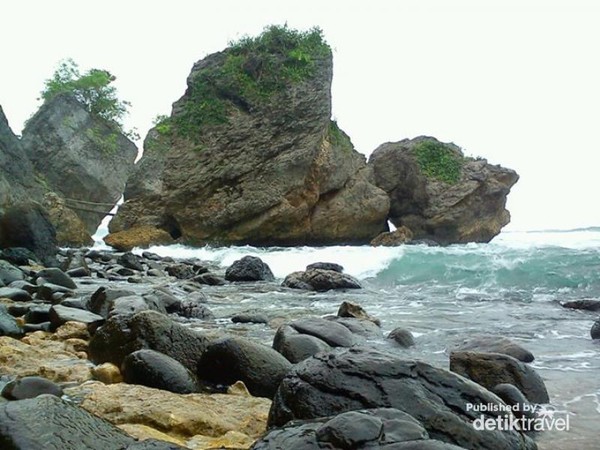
pixel 250 154
pixel 83 158
pixel 441 195
pixel 17 179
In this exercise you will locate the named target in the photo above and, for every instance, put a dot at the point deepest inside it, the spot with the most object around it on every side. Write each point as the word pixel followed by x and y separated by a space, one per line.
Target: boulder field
pixel 108 349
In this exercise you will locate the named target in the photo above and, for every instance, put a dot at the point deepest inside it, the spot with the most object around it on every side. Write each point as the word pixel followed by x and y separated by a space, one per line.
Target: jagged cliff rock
pixel 83 158
pixel 439 194
pixel 17 179
pixel 250 155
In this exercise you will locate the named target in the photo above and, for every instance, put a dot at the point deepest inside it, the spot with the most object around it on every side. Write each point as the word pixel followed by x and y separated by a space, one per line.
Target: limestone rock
pixel 182 417
pixel 491 369
pixel 467 205
pixel 141 236
pixel 268 167
pixel 84 158
pixel 394 238
pixel 71 231
pixel 38 355
pixel 356 378
pixel 18 180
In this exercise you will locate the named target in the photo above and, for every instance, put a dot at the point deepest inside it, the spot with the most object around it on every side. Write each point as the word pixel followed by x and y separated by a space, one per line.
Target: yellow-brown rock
pixel 107 373
pixel 200 421
pixel 142 236
pixel 400 236
pixel 37 354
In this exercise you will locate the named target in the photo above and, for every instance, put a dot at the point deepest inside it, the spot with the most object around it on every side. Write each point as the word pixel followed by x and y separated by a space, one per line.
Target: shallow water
pixel 511 287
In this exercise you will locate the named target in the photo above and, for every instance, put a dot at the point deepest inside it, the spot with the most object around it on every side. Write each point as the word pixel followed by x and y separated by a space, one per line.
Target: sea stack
pixel 250 155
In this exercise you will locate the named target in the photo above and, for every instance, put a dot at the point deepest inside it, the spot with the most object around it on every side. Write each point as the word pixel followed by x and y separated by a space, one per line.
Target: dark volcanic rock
pixel 56 276
pixel 357 378
pixel 17 178
pixel 249 268
pixel 471 209
pixel 595 331
pixel 153 369
pixel 326 266
pixel 384 428
pixel 60 314
pixel 496 344
pixel 16 295
pixel 193 309
pixel 130 261
pixel 98 156
pixel 491 369
pixel 64 427
pixel 586 305
pixel 102 301
pixel 18 256
pixel 122 335
pixel 9 273
pixel 237 359
pixel 8 324
pixel 402 337
pixel 250 317
pixel 274 170
pixel 296 347
pixel 332 333
pixel 28 225
pixel 30 387
pixel 320 280
pixel 512 396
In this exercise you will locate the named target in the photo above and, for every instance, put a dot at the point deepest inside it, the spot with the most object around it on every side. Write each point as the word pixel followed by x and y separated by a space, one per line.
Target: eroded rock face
pixel 17 180
pixel 468 208
pixel 357 378
pixel 82 157
pixel 275 170
pixel 186 419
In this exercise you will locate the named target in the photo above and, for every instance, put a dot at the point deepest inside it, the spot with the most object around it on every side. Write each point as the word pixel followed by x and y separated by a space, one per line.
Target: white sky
pixel 516 82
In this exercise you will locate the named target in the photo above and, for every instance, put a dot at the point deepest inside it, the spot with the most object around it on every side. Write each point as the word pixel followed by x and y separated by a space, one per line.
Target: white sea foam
pixel 359 261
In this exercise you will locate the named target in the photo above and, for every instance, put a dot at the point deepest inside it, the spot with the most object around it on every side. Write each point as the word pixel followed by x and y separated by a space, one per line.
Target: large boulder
pixel 383 428
pixel 357 378
pixel 153 369
pixel 495 344
pixel 320 280
pixel 250 155
pixel 123 334
pixel 238 359
pixel 28 225
pixel 441 195
pixel 249 268
pixel 84 158
pixel 64 426
pixel 491 369
pixel 216 419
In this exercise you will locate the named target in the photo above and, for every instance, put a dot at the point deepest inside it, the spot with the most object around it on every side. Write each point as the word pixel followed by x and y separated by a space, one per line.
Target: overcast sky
pixel 516 82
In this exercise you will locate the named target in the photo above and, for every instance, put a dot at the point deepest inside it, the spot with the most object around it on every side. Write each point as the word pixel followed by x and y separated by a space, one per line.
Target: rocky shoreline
pixel 131 340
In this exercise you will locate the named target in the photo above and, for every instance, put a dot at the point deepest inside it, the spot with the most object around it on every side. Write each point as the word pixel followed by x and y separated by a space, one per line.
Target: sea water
pixel 511 287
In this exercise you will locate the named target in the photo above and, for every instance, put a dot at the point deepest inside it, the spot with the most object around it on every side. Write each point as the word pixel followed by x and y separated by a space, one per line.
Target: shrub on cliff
pixel 92 89
pixel 438 161
pixel 248 73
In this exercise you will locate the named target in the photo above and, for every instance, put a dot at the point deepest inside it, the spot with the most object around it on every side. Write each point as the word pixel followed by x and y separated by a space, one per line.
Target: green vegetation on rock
pixel 92 89
pixel 438 161
pixel 338 138
pixel 246 74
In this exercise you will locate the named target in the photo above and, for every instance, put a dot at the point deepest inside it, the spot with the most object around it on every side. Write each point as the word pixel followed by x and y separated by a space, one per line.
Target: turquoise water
pixel 511 287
